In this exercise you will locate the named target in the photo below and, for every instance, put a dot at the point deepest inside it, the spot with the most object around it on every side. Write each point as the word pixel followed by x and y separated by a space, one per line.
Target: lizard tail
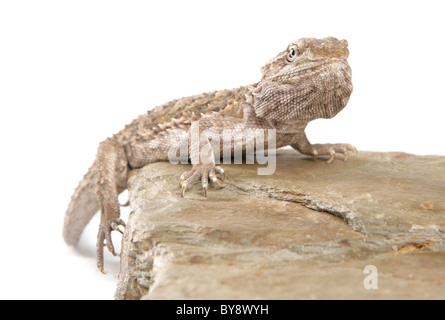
pixel 84 204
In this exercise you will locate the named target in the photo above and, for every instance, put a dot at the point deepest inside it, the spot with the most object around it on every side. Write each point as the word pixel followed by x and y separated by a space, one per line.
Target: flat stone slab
pixel 306 232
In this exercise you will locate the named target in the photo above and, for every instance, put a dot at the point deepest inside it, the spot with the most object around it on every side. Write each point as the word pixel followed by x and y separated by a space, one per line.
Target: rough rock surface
pixel 306 232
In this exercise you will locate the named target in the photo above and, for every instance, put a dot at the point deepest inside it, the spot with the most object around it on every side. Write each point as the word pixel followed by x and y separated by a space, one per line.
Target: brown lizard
pixel 310 79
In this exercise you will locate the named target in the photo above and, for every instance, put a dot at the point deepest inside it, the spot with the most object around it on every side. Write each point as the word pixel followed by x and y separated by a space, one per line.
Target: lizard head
pixel 310 79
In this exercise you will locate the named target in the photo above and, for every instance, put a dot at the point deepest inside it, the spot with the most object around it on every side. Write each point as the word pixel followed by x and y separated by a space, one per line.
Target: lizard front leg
pixel 112 165
pixel 203 170
pixel 303 145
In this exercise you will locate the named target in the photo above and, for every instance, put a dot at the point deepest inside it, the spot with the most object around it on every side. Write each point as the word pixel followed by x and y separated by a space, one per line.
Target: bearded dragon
pixel 310 79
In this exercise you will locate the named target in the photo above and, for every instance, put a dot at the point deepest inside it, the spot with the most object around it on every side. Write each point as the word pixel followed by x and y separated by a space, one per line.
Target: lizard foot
pixel 205 172
pixel 104 239
pixel 332 149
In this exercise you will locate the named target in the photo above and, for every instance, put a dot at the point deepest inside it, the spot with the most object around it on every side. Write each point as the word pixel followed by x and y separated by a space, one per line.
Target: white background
pixel 74 72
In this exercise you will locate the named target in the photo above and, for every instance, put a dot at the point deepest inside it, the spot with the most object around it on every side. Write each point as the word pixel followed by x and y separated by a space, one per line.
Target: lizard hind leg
pixel 112 166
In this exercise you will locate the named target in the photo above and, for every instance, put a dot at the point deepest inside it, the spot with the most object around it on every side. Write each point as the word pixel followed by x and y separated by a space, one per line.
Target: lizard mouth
pixel 307 67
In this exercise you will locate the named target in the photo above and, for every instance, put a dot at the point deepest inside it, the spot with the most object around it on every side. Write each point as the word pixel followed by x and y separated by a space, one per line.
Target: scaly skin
pixel 310 79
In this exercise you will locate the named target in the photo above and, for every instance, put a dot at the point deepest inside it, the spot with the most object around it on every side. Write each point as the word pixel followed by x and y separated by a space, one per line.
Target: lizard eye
pixel 293 53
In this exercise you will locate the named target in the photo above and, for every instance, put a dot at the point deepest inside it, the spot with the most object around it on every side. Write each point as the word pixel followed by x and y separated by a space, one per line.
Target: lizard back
pixel 181 112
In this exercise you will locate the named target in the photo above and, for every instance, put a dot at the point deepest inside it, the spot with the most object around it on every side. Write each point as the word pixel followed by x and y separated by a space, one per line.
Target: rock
pixel 306 232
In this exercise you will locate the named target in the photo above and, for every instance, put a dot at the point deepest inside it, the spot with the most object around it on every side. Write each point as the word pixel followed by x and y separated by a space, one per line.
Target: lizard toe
pixel 221 172
pixel 203 172
pixel 332 149
pixel 104 239
pixel 346 149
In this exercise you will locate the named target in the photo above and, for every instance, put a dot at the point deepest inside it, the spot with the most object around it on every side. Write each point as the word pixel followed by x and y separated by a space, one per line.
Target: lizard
pixel 308 80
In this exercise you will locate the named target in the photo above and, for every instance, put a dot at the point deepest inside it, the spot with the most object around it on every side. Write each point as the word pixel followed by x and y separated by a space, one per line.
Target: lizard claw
pixel 203 172
pixel 183 186
pixel 104 239
pixel 205 186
